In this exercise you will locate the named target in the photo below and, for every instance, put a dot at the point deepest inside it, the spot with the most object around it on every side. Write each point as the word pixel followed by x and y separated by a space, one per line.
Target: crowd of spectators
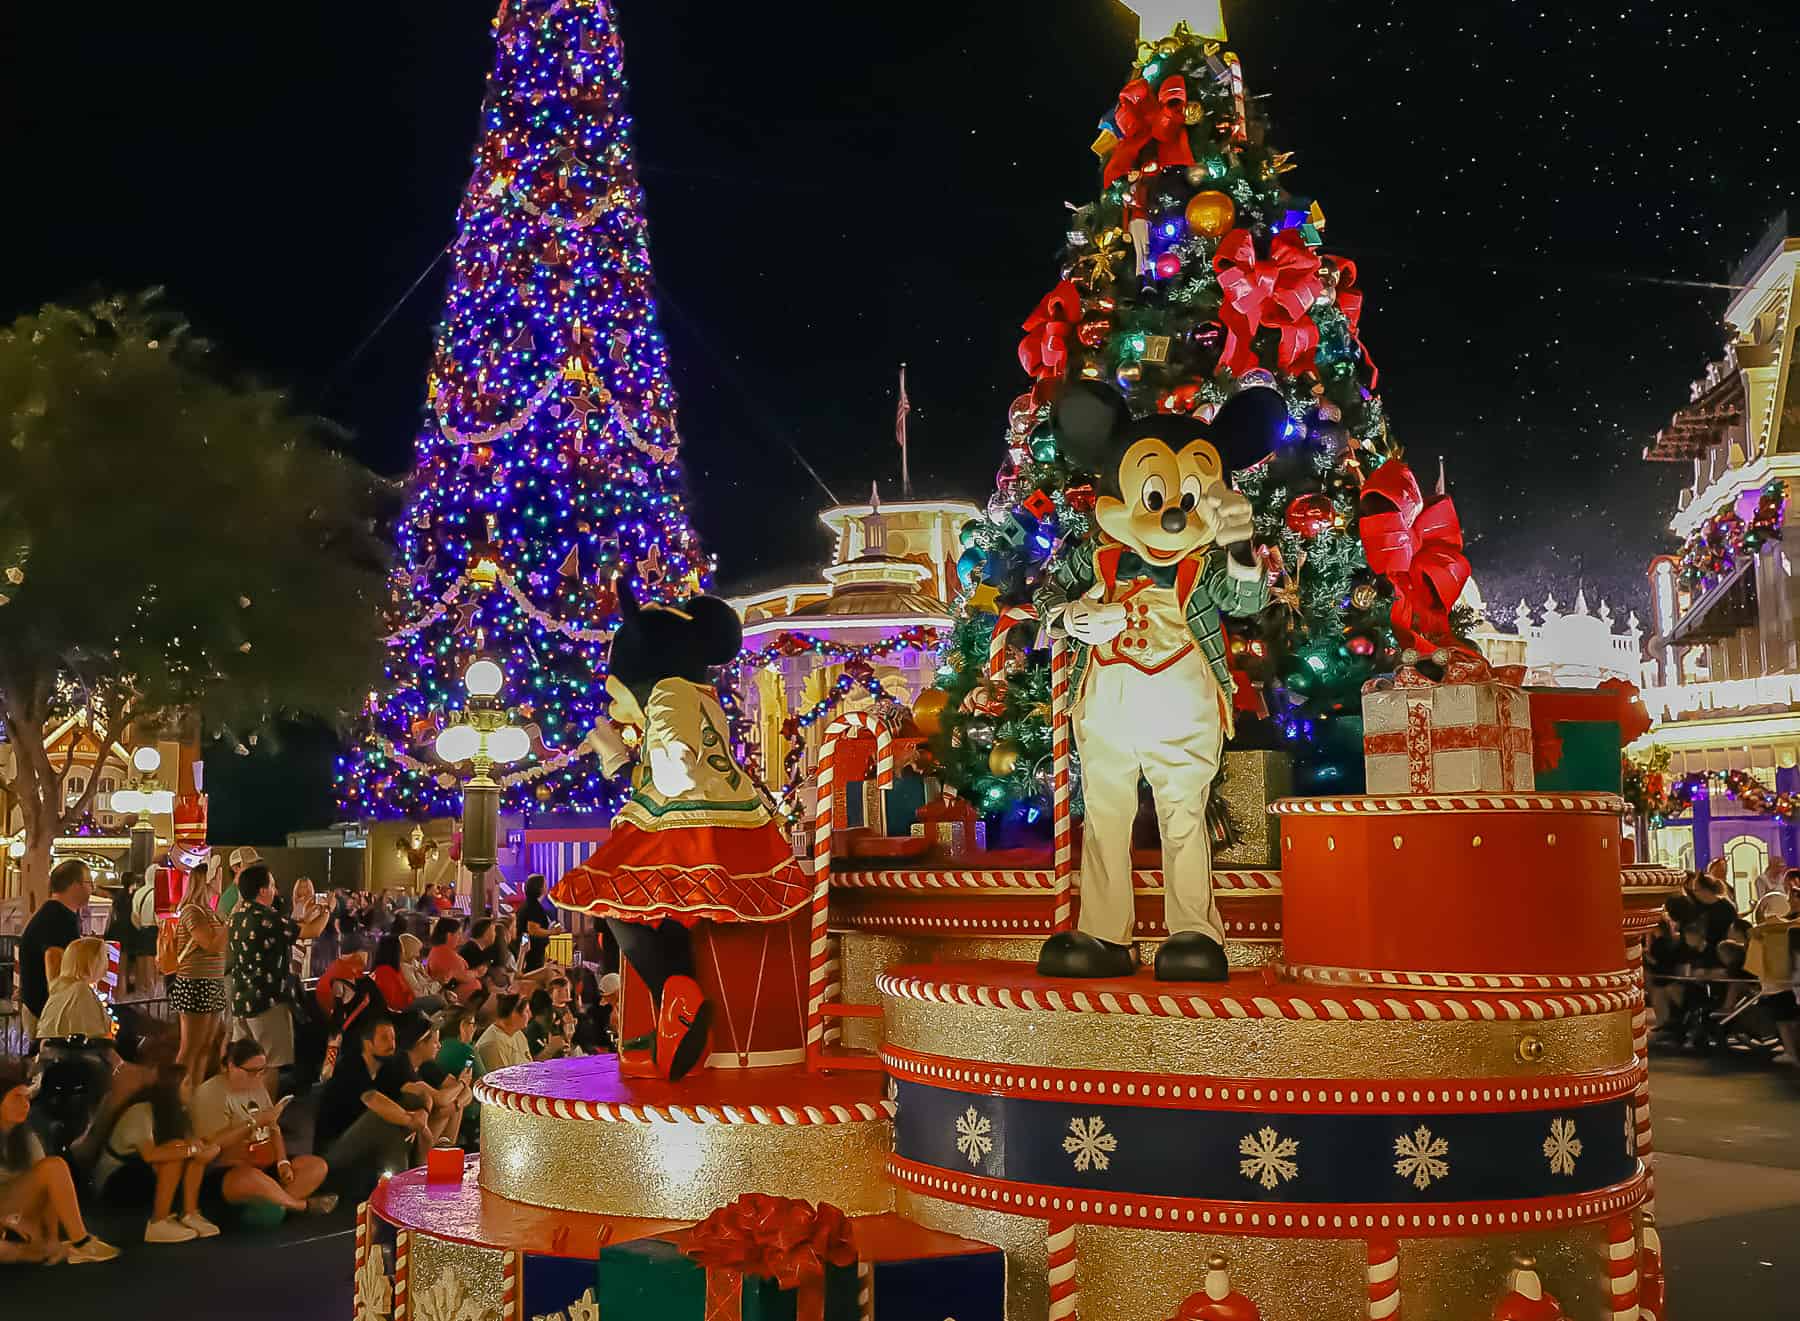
pixel 1721 978
pixel 407 1011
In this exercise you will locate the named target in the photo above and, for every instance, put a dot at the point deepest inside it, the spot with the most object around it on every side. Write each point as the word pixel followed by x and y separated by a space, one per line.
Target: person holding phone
pixel 232 1111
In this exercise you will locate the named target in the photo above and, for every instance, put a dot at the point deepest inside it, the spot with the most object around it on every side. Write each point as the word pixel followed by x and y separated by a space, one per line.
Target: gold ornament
pixel 928 711
pixel 1211 212
pixel 1003 757
pixel 1362 596
pixel 1131 373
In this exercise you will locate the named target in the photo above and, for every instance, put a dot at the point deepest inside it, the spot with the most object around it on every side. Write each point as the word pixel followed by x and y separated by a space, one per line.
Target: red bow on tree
pixel 1277 291
pixel 786 1239
pixel 1144 117
pixel 1350 303
pixel 1417 544
pixel 1044 352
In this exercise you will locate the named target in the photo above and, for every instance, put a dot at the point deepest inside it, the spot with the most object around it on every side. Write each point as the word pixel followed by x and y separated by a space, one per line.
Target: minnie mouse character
pixel 1152 692
pixel 695 839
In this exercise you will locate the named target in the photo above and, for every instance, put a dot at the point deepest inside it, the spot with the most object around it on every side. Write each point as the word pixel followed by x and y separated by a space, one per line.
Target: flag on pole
pixel 900 435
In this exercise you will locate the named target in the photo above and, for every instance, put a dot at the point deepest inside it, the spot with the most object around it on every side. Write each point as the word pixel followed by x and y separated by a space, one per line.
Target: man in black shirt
pixel 51 930
pixel 365 1126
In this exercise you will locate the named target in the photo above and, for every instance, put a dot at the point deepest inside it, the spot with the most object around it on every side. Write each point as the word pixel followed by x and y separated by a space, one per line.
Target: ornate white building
pixel 1574 649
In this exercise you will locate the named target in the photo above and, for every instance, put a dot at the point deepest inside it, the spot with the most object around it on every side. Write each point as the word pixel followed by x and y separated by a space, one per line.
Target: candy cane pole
pixel 402 1270
pixel 1065 1289
pixel 1640 1100
pixel 1621 1268
pixel 821 894
pixel 1384 1280
pixel 1061 793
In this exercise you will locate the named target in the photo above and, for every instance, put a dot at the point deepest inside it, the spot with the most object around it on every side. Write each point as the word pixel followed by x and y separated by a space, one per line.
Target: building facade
pixel 1724 668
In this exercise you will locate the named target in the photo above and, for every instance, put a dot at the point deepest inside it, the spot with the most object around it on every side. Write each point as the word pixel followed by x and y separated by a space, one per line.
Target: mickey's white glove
pixel 1092 623
pixel 609 745
pixel 1234 520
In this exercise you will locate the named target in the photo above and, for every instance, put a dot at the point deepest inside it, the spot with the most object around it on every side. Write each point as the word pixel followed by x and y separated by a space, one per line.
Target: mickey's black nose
pixel 1174 519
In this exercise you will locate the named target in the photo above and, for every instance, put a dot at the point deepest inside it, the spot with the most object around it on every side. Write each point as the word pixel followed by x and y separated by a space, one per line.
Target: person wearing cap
pixel 239 859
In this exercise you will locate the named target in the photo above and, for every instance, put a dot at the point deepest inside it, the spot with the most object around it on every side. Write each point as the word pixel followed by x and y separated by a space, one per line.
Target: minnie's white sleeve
pixel 672 739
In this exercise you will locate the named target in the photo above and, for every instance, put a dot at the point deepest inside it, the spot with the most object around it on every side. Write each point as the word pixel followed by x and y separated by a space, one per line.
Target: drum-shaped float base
pixel 1297 1129
pixel 573 1135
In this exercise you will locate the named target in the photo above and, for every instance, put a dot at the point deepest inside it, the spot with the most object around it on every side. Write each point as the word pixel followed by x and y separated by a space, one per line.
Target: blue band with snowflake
pixel 1266 1156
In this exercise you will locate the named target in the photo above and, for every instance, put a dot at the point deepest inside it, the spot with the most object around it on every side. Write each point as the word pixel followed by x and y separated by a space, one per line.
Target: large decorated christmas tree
pixel 1195 274
pixel 547 463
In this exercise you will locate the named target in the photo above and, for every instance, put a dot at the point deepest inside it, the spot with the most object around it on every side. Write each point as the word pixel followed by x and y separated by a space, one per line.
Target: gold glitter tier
pixel 573 1135
pixel 1128 1274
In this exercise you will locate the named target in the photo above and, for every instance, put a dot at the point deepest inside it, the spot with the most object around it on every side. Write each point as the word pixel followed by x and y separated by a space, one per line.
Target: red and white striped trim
pixel 1062 802
pixel 1621 1268
pixel 512 1292
pixel 1605 804
pixel 1638 876
pixel 819 946
pixel 1009 618
pixel 402 1274
pixel 1265 1219
pixel 1335 1096
pixel 1314 974
pixel 607 1112
pixel 1063 1266
pixel 1215 1004
pixel 1037 878
pixel 1384 1280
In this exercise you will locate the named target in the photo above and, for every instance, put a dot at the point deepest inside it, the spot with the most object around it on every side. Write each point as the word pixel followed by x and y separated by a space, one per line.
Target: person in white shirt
pixel 1773 879
pixel 154 1136
pixel 231 1111
pixel 145 979
pixel 503 1044
pixel 75 1008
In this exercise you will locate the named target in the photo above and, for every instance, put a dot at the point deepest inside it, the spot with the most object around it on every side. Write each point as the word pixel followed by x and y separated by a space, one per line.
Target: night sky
pixel 1545 202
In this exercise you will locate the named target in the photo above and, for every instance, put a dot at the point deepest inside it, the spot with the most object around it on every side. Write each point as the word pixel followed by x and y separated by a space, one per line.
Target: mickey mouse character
pixel 695 839
pixel 1152 694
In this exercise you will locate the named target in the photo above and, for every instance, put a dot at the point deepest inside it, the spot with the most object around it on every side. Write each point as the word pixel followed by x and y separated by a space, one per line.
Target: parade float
pixel 1399 1067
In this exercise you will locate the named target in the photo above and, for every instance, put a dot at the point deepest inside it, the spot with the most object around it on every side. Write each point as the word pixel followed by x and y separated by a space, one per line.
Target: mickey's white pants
pixel 1167 727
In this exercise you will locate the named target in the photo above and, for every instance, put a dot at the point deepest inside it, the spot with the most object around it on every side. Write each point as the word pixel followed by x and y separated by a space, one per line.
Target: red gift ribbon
pixel 1350 303
pixel 1144 117
pixel 1417 544
pixel 1044 352
pixel 788 1240
pixel 1277 291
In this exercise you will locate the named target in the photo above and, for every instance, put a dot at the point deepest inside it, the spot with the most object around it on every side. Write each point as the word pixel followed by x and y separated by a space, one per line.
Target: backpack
pixel 168 946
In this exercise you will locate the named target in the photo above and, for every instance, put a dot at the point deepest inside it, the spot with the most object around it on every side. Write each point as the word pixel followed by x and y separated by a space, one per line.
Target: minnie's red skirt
pixel 688 873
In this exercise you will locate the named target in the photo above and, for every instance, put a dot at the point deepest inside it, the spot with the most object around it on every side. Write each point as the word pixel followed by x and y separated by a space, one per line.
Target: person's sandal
pixel 322 1205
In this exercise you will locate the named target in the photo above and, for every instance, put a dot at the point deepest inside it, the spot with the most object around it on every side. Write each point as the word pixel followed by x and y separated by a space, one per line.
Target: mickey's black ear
pixel 1248 427
pixel 1086 418
pixel 628 602
pixel 721 632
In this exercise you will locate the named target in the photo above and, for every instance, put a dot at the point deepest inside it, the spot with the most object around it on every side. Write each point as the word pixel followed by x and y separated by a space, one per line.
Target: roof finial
pixel 874 525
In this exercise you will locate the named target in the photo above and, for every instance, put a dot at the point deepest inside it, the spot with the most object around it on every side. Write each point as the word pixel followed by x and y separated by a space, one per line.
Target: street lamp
pixel 485 737
pixel 145 798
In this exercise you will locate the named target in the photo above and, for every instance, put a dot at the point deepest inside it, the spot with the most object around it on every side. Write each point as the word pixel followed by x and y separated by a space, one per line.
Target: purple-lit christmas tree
pixel 547 463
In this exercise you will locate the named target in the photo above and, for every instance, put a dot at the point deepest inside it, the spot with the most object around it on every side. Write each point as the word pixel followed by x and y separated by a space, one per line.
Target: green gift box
pixel 1579 734
pixel 655 1279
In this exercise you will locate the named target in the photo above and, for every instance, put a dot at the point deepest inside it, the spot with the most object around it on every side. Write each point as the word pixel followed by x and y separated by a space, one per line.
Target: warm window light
pixel 16 849
pixel 458 743
pixel 147 760
pixel 484 678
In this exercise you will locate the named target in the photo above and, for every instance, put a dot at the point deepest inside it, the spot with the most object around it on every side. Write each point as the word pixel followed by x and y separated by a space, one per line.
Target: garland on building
pixel 857 660
pixel 1652 792
pixel 1715 548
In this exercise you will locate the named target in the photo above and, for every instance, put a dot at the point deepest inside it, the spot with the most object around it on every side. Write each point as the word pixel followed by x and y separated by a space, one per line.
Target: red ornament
pixel 1081 498
pixel 1168 266
pixel 1360 644
pixel 1094 331
pixel 1309 515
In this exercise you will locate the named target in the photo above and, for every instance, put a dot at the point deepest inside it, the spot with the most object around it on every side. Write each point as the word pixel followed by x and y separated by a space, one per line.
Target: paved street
pixel 1728 1197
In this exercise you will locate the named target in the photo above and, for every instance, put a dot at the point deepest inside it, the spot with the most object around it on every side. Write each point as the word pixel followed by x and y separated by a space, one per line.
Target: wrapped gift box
pixel 1421 737
pixel 1248 782
pixel 1580 734
pixel 655 1279
pixel 952 827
